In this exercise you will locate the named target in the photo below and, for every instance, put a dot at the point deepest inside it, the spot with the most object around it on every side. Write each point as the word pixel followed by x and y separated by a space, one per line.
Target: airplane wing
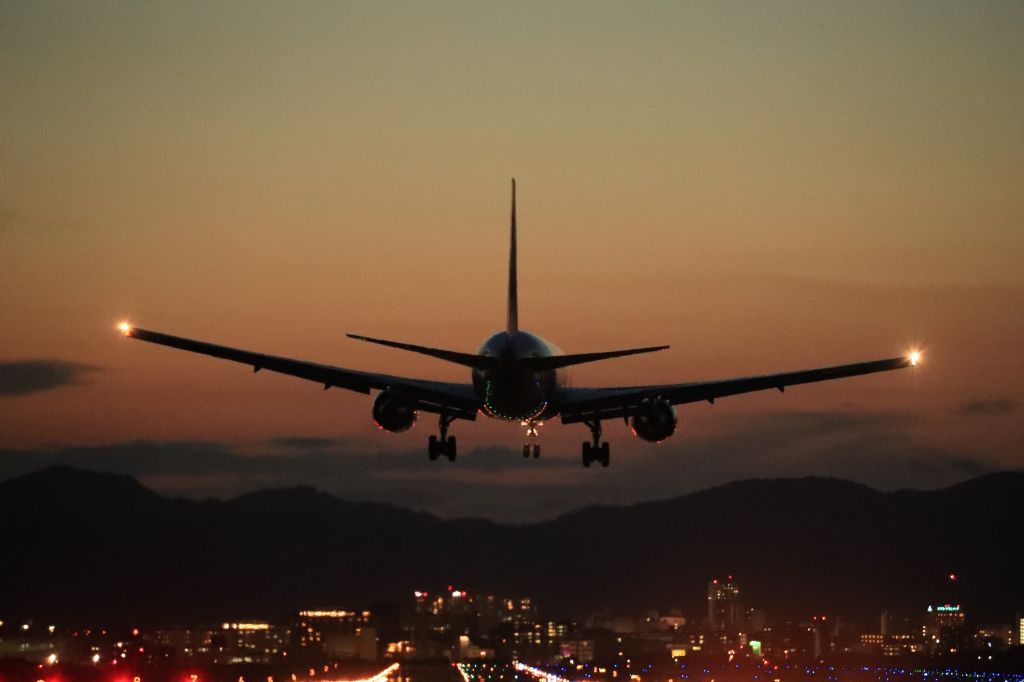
pixel 579 404
pixel 458 400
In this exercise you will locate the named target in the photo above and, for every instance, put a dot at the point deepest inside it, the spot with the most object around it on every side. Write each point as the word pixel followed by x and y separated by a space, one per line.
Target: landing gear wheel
pixel 595 451
pixel 443 444
pixel 536 451
pixel 526 449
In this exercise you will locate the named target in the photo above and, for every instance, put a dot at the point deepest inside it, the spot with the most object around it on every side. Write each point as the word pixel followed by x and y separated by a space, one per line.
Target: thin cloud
pixel 304 443
pixel 875 448
pixel 25 377
pixel 987 408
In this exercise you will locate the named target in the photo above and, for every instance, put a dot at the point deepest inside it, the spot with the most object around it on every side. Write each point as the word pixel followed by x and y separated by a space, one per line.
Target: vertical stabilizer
pixel 513 299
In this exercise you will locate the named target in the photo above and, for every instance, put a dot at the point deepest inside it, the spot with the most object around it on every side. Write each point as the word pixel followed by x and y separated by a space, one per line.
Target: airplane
pixel 517 376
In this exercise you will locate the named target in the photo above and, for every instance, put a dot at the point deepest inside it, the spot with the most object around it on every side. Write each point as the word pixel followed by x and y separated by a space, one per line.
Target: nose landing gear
pixel 595 451
pixel 531 433
pixel 443 446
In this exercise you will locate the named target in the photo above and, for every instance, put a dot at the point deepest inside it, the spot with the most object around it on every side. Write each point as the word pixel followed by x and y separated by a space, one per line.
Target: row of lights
pixel 542 675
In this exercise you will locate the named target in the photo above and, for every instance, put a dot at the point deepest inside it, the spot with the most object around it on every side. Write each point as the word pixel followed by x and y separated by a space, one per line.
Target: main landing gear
pixel 443 445
pixel 531 432
pixel 595 451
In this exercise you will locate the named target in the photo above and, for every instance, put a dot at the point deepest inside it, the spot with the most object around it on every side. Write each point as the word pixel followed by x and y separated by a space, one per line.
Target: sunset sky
pixel 763 186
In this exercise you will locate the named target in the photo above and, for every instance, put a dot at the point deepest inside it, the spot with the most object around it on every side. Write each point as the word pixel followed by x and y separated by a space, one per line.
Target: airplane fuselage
pixel 512 391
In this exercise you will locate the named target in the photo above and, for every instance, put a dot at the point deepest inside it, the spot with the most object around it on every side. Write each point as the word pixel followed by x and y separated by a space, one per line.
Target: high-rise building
pixel 725 613
pixel 944 629
pixel 333 633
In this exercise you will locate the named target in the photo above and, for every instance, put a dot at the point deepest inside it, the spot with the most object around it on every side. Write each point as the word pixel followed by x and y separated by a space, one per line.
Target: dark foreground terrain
pixel 81 547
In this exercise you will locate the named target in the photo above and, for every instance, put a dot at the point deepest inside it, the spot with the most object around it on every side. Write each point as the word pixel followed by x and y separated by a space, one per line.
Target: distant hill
pixel 88 547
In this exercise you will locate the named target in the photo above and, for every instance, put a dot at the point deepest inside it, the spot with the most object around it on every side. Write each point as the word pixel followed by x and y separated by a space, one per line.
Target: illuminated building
pixel 725 612
pixel 581 650
pixel 334 634
pixel 822 636
pixel 943 629
pixel 228 643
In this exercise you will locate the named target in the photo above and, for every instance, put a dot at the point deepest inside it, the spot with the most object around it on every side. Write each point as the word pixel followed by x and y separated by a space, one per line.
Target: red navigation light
pixel 952 577
pixel 135 632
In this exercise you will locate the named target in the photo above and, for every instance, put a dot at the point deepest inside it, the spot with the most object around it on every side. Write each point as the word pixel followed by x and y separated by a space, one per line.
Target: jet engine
pixel 393 411
pixel 655 420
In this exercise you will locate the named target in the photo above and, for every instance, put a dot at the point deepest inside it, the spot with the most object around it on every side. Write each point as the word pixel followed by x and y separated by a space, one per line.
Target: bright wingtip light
pixel 915 357
pixel 125 328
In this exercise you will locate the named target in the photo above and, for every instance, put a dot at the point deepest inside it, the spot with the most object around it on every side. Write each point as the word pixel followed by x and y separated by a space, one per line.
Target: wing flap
pixel 432 396
pixel 582 403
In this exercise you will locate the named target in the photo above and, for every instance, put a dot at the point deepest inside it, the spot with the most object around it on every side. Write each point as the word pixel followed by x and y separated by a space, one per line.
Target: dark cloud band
pixel 987 408
pixel 24 377
pixel 872 448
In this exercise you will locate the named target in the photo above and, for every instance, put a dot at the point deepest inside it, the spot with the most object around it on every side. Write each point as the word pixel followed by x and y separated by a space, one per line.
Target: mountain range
pixel 92 548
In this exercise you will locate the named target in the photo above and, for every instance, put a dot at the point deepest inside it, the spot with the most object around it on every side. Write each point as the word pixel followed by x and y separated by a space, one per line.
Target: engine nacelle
pixel 393 411
pixel 655 420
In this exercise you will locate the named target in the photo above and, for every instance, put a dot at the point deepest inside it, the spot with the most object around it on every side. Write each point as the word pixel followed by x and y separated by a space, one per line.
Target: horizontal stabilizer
pixel 467 359
pixel 556 361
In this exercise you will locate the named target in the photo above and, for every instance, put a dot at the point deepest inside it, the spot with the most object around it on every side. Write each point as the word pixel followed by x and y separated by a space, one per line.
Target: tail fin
pixel 513 298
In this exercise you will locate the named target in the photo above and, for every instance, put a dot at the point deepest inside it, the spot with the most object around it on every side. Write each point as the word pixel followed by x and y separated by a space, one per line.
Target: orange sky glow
pixel 763 187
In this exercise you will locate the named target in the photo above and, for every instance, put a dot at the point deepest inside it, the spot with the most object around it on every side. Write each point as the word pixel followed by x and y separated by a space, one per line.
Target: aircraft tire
pixel 450 448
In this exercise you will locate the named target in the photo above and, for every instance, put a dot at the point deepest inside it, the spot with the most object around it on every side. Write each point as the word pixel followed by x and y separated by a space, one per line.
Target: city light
pixel 379 677
pixel 538 673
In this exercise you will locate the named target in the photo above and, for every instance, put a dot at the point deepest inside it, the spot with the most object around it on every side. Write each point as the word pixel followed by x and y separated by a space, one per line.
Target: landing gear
pixel 531 433
pixel 443 445
pixel 595 451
